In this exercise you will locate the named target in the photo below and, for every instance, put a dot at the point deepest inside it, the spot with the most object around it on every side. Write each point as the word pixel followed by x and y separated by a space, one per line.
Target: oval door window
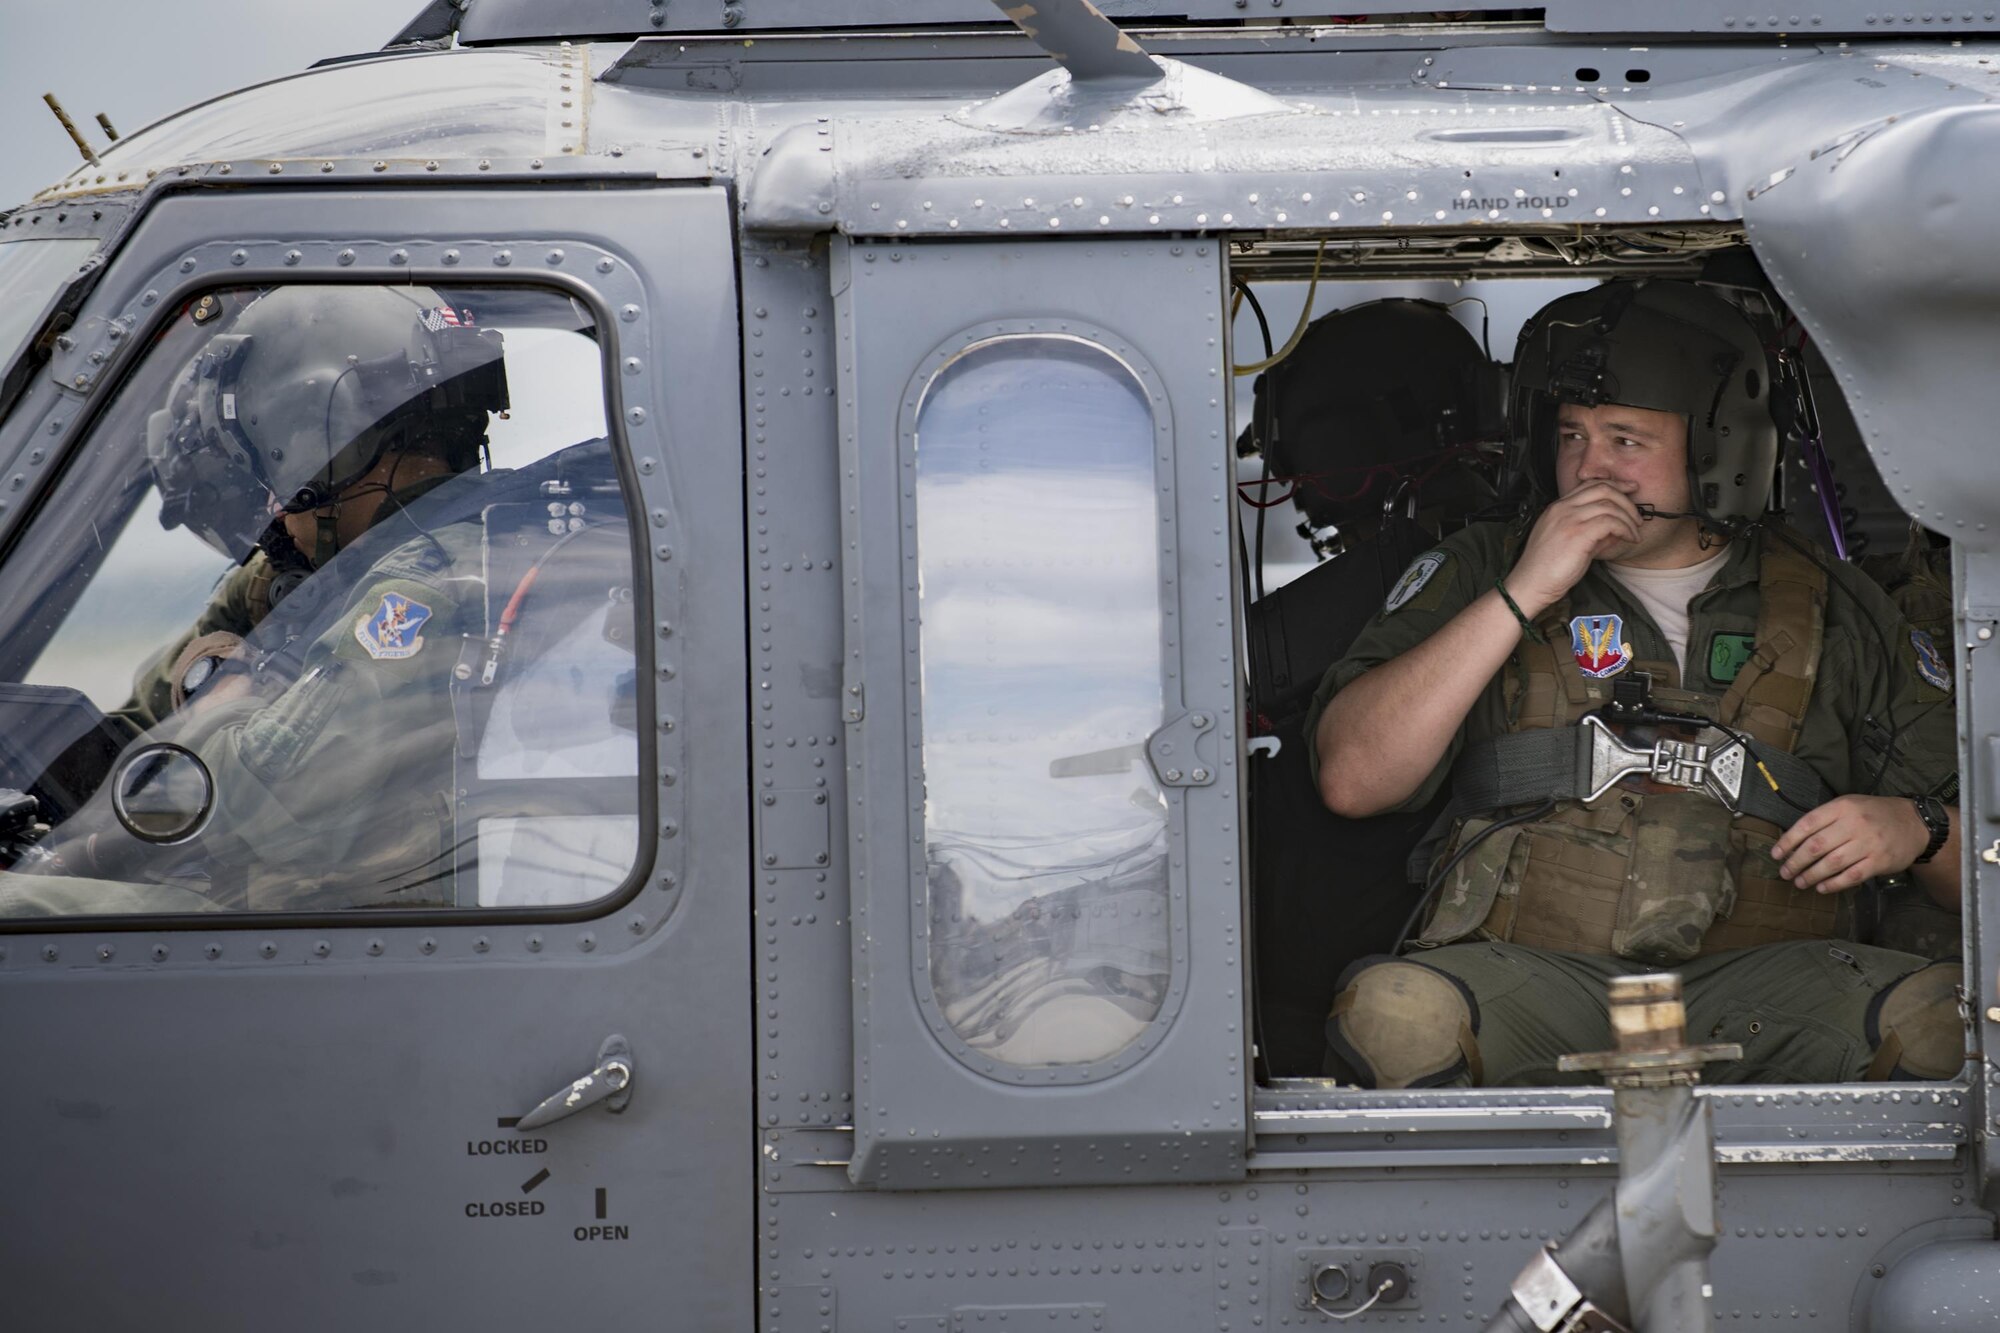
pixel 1039 572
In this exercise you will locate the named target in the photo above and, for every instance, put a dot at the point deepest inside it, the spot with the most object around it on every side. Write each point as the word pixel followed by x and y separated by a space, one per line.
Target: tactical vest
pixel 1652 873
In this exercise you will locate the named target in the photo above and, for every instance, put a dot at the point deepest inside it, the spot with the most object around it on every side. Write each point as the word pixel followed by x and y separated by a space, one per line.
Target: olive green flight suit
pixel 1805 1010
pixel 237 606
pixel 1918 579
pixel 333 787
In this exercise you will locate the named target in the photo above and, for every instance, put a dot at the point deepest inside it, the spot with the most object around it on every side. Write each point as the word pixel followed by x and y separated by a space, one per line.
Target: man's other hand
pixel 1836 846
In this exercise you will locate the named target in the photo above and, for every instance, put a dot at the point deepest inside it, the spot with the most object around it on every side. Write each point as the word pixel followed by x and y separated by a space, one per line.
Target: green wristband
pixel 1527 625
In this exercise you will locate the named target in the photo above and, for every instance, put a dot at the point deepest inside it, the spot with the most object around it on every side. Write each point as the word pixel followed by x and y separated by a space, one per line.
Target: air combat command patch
pixel 392 630
pixel 1599 644
pixel 1413 580
pixel 1930 662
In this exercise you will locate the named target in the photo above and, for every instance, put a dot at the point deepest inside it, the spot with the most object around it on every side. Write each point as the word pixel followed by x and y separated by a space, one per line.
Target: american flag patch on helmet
pixel 444 317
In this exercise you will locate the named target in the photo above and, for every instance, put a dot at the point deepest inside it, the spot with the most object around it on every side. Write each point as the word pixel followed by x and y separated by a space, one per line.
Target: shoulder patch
pixel 1414 578
pixel 1599 645
pixel 392 630
pixel 1930 662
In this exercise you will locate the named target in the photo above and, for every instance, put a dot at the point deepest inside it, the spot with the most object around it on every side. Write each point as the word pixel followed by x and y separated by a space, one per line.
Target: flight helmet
pixel 1377 394
pixel 1669 346
pixel 303 391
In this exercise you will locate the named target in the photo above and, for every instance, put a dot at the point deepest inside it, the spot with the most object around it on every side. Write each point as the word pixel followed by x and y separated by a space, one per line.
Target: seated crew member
pixel 1644 407
pixel 296 443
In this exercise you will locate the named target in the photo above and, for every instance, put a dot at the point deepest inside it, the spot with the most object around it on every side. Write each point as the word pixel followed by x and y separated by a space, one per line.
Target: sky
pixel 140 60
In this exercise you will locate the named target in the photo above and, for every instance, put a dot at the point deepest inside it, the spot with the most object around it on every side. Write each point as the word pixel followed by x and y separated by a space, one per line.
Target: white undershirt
pixel 1665 593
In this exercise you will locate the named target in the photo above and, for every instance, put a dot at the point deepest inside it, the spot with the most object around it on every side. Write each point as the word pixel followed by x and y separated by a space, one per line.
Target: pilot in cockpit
pixel 314 439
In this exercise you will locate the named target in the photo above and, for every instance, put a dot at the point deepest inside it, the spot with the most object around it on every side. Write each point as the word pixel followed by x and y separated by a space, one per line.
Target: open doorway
pixel 1359 451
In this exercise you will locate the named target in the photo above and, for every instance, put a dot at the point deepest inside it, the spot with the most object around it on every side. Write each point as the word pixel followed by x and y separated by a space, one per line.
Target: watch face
pixel 197 674
pixel 1936 819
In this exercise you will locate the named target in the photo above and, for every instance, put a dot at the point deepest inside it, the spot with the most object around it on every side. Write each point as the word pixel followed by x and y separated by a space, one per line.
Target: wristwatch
pixel 1932 811
pixel 198 673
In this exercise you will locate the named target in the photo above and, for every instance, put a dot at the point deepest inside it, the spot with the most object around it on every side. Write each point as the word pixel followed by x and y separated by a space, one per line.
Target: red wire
pixel 1243 488
pixel 514 602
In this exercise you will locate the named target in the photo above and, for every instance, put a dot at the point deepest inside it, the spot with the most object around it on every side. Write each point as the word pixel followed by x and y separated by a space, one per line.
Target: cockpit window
pixel 30 271
pixel 334 611
pixel 1045 831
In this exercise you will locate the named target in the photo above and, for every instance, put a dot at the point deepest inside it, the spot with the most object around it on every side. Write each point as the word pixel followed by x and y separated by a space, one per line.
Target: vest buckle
pixel 1711 762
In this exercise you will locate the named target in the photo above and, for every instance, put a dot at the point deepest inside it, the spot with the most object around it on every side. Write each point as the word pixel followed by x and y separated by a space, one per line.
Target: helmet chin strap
pixel 326 517
pixel 326 536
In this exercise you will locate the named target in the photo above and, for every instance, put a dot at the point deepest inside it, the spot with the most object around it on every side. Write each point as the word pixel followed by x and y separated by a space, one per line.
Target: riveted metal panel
pixel 1082 1318
pixel 931 1113
pixel 501 109
pixel 805 1062
pixel 1245 1281
pixel 1799 1244
pixel 1905 338
pixel 793 829
pixel 1976 579
pixel 325 1104
pixel 1857 18
pixel 1454 136
pixel 1752 130
pixel 513 20
pixel 1368 158
pixel 802 1309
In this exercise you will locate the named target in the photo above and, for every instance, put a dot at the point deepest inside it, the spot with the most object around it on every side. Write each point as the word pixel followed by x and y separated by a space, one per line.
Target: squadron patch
pixel 1599 645
pixel 1930 662
pixel 1727 654
pixel 1413 580
pixel 391 631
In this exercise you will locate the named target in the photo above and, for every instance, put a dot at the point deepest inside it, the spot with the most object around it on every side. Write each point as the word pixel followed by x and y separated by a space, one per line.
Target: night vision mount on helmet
pixel 305 393
pixel 1668 346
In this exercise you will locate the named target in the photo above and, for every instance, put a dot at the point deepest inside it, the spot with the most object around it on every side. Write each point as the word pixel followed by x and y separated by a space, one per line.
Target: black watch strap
pixel 1932 811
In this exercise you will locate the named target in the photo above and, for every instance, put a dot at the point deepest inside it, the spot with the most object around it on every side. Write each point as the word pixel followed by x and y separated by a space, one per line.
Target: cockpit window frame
pixel 171 258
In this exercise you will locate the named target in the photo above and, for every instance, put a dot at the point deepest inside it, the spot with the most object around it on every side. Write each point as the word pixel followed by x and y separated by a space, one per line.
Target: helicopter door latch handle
pixel 610 1084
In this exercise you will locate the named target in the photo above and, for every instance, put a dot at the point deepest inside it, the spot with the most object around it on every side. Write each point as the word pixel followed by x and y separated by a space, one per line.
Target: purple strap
pixel 1829 503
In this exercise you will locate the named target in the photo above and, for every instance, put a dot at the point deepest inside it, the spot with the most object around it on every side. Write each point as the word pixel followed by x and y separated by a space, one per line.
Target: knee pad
pixel 1399 1024
pixel 1916 1025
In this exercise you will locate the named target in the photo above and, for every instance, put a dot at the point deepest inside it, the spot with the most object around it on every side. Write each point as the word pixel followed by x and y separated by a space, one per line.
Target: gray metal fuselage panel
pixel 324 1105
